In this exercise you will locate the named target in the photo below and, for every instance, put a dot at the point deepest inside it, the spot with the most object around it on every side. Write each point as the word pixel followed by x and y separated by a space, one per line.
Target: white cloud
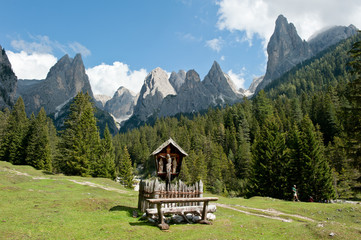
pixel 78 48
pixel 43 44
pixel 31 66
pixel 223 58
pixel 188 37
pixel 106 79
pixel 257 17
pixel 237 78
pixel 215 44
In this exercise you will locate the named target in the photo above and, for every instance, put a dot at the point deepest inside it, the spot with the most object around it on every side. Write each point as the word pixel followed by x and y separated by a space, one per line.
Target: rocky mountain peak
pixel 121 105
pixel 123 90
pixel 64 80
pixel 155 88
pixel 191 80
pixel 220 84
pixel 285 50
pixel 324 39
pixel 177 79
pixel 8 81
pixel 157 81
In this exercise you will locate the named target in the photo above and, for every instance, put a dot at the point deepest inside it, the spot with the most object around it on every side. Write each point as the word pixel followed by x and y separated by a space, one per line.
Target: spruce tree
pixel 270 161
pixel 124 168
pixel 243 156
pixel 38 149
pixel 105 166
pixel 13 145
pixel 315 175
pixel 4 115
pixel 53 141
pixel 185 175
pixel 79 144
pixel 353 125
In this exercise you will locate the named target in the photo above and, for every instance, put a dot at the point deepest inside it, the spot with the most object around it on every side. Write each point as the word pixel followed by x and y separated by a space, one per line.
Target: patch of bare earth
pixel 87 183
pixel 269 213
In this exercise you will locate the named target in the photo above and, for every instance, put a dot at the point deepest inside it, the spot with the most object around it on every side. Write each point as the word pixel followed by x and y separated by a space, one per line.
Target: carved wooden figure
pixel 169 157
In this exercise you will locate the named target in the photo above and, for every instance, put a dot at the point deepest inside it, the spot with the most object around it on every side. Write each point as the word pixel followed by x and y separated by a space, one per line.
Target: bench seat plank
pixel 175 200
pixel 183 209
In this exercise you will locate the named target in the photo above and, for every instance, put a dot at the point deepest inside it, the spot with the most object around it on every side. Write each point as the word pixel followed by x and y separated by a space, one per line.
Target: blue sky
pixel 122 41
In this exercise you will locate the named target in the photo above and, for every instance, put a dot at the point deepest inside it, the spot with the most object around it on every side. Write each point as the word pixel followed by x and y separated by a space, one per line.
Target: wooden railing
pixel 153 189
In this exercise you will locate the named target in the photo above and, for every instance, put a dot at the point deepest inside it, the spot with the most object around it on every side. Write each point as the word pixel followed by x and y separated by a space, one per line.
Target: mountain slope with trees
pixel 303 130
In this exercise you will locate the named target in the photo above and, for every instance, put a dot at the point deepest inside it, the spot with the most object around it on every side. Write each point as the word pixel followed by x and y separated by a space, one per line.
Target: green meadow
pixel 37 205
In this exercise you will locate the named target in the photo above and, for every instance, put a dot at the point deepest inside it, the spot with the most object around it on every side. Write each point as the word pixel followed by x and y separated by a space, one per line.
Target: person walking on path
pixel 295 195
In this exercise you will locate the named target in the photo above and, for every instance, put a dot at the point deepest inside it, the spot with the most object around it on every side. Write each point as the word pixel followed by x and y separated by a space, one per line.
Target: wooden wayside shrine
pixel 159 198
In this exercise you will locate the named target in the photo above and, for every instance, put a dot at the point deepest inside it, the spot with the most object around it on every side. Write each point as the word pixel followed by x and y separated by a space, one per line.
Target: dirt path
pixel 269 213
pixel 90 184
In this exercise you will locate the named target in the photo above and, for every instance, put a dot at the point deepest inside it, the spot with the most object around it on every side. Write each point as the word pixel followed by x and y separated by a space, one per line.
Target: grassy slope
pixel 56 208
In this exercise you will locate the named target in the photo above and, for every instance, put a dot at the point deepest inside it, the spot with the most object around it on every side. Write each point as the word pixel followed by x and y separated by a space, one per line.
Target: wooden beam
pixel 174 200
pixel 183 209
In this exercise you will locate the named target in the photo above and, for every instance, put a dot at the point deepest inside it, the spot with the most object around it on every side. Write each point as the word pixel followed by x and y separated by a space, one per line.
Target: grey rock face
pixel 156 87
pixel 286 49
pixel 330 37
pixel 158 98
pixel 121 106
pixel 63 82
pixel 255 82
pixel 217 89
pixel 102 100
pixel 8 81
pixel 191 97
pixel 220 86
pixel 177 79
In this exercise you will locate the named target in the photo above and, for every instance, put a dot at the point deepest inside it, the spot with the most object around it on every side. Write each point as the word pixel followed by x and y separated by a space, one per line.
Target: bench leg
pixel 162 225
pixel 204 214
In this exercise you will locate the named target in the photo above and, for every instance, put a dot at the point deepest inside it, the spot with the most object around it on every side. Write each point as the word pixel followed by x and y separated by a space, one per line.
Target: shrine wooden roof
pixel 166 143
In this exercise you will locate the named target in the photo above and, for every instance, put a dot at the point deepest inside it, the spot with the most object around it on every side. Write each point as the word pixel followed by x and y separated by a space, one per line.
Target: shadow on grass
pixel 47 172
pixel 138 221
pixel 131 211
pixel 141 223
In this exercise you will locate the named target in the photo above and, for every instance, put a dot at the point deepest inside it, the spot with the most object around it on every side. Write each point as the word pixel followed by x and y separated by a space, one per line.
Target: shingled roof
pixel 166 143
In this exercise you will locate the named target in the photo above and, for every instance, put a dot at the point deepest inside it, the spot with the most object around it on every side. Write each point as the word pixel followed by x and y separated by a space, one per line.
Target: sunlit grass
pixel 57 208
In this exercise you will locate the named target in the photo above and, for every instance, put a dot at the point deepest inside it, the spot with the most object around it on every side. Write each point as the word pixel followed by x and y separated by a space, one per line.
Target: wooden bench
pixel 182 209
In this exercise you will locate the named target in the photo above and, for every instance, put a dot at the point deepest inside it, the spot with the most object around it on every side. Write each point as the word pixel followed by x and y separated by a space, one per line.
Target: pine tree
pixel 262 107
pixel 38 149
pixel 344 174
pixel 4 115
pixel 354 110
pixel 79 144
pixel 124 167
pixel 53 141
pixel 185 174
pixel 270 161
pixel 13 146
pixel 243 156
pixel 316 178
pixel 105 166
pixel 296 165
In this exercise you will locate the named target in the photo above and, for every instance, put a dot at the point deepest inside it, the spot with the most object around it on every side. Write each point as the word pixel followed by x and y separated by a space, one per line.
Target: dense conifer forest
pixel 303 129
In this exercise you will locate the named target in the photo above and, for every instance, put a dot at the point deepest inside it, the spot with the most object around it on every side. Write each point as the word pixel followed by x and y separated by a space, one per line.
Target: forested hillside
pixel 299 131
pixel 293 133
